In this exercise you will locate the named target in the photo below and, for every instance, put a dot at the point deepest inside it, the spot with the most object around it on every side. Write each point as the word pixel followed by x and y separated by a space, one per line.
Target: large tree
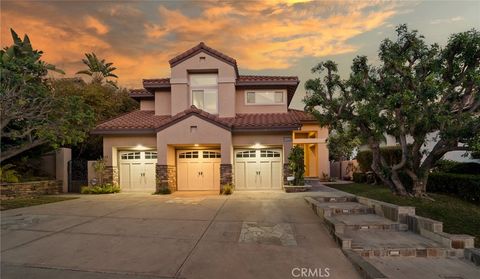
pixel 417 92
pixel 31 114
pixel 106 102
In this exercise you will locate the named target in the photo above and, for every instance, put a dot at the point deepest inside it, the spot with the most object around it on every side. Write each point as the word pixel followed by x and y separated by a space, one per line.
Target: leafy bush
pixel 392 155
pixel 164 191
pixel 227 189
pixel 297 165
pixel 465 186
pixel 444 165
pixel 100 189
pixel 7 174
pixel 359 177
pixel 465 168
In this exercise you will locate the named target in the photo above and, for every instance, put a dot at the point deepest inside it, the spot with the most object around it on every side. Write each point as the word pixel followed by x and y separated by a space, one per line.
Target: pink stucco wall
pixel 147 105
pixel 163 103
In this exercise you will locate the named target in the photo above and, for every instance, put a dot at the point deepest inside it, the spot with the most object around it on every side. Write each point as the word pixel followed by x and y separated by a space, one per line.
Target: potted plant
pixel 296 164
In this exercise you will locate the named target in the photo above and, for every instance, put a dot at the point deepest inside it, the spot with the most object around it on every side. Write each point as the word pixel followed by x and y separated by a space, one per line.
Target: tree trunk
pixel 393 182
pixel 9 153
pixel 420 186
pixel 399 188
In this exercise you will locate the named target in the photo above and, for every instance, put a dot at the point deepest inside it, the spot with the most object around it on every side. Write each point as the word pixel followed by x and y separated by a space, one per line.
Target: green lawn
pixel 24 202
pixel 458 216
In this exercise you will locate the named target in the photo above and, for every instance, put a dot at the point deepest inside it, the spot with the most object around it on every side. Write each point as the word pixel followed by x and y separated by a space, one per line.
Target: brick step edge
pixel 433 252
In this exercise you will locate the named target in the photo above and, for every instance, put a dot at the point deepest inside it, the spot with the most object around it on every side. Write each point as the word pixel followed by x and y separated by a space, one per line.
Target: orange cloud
pixel 100 28
pixel 140 40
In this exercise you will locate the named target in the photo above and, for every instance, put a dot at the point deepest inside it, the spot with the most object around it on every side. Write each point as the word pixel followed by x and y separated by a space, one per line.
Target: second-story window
pixel 264 97
pixel 204 92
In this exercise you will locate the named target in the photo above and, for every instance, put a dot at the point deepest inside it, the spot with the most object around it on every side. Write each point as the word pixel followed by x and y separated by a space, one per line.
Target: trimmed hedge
pixel 465 186
pixel 100 189
pixel 359 177
pixel 466 168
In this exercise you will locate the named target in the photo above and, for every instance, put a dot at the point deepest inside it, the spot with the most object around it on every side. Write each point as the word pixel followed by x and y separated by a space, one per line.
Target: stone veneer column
pixel 286 173
pixel 166 177
pixel 225 175
pixel 111 175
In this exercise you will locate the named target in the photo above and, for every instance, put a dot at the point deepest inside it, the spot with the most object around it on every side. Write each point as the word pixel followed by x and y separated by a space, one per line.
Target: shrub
pixel 465 168
pixel 465 186
pixel 227 189
pixel 164 191
pixel 444 165
pixel 359 177
pixel 7 174
pixel 296 164
pixel 100 189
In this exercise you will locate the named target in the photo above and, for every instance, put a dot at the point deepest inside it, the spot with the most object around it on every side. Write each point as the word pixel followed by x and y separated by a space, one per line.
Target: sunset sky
pixel 265 37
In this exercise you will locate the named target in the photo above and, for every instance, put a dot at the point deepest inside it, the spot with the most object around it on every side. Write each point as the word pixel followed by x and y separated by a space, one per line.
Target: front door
pixel 259 169
pixel 137 170
pixel 198 170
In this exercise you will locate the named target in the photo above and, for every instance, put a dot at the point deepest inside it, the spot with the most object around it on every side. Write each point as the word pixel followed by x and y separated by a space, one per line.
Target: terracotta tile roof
pixel 250 78
pixel 142 120
pixel 156 83
pixel 203 47
pixel 146 121
pixel 222 122
pixel 141 93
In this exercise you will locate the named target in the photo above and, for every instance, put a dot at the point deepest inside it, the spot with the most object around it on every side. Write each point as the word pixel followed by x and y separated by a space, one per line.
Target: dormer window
pixel 204 92
pixel 265 97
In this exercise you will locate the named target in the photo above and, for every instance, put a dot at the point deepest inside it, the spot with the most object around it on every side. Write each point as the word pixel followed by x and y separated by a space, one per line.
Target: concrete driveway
pixel 184 235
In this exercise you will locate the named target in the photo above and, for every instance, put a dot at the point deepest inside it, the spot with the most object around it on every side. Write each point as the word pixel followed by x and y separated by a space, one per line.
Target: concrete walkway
pixel 184 235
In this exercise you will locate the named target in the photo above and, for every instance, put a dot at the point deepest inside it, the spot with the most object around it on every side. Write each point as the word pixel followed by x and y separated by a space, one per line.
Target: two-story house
pixel 207 126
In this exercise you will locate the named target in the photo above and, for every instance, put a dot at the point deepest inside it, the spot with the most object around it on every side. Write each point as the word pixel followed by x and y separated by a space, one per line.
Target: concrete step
pixel 396 244
pixel 364 222
pixel 345 208
pixel 336 199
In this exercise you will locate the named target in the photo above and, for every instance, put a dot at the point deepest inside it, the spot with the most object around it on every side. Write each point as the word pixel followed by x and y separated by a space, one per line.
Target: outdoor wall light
pixel 140 147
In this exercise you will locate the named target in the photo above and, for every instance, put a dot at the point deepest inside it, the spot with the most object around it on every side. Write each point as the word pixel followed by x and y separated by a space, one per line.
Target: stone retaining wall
pixel 30 189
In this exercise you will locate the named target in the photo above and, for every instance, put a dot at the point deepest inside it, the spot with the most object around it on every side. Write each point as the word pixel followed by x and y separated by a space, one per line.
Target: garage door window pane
pixel 269 154
pixel 191 154
pixel 150 155
pixel 246 154
pixel 130 156
pixel 210 154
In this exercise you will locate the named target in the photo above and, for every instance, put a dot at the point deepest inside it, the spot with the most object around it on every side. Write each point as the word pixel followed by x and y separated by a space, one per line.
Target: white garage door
pixel 198 170
pixel 259 169
pixel 137 170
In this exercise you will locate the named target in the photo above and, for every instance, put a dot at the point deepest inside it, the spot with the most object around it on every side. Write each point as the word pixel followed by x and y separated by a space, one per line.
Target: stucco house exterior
pixel 208 126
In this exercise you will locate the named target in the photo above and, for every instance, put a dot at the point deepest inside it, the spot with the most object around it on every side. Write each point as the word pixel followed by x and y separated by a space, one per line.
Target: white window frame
pixel 284 93
pixel 194 88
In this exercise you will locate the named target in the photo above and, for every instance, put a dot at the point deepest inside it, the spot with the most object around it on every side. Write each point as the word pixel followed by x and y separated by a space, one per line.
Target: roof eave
pixel 122 131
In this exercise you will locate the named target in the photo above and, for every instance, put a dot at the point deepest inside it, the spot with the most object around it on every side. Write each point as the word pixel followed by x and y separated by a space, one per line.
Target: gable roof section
pixel 146 122
pixel 221 122
pixel 203 47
